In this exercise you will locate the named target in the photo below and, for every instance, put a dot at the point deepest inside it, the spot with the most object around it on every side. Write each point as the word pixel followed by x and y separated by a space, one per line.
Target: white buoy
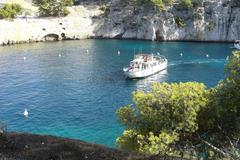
pixel 87 50
pixel 24 58
pixel 119 52
pixel 207 55
pixel 181 54
pixel 25 113
pixel 59 55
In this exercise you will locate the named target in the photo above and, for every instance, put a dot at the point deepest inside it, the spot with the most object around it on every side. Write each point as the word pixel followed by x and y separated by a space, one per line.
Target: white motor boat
pixel 144 65
pixel 237 44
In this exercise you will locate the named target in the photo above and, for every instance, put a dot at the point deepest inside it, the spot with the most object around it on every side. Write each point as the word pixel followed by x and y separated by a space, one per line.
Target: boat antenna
pixel 134 52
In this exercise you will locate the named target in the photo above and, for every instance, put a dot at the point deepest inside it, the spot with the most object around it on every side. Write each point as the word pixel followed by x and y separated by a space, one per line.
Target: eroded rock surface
pixel 216 20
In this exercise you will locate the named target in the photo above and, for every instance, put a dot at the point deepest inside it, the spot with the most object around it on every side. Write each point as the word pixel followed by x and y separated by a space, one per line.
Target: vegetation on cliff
pixel 186 118
pixel 53 7
pixel 10 10
pixel 184 4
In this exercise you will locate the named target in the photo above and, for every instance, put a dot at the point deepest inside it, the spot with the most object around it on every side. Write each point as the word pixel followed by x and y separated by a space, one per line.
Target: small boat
pixel 144 65
pixel 237 44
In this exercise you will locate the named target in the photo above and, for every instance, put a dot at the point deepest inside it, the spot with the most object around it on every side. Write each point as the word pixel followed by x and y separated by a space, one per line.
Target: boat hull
pixel 147 72
pixel 237 46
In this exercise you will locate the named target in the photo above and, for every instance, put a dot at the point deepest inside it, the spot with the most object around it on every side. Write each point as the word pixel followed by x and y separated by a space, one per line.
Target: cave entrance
pixel 159 37
pixel 51 37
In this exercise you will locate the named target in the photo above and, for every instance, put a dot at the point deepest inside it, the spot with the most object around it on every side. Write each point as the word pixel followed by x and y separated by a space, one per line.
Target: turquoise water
pixel 76 94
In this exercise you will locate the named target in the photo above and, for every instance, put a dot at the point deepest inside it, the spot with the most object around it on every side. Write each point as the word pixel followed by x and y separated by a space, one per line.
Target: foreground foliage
pixel 161 116
pixel 53 7
pixel 181 118
pixel 10 10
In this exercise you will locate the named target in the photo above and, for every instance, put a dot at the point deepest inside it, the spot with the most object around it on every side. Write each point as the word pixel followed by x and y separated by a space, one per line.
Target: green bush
pixel 4 14
pixel 220 118
pixel 197 3
pixel 210 25
pixel 168 2
pixel 180 22
pixel 172 117
pixel 186 4
pixel 159 3
pixel 10 10
pixel 52 7
pixel 161 116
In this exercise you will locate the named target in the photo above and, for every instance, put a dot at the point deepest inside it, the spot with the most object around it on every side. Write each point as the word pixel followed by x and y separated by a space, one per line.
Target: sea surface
pixel 73 88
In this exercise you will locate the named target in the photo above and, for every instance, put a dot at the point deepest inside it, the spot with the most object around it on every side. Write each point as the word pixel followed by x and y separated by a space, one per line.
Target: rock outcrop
pixel 216 20
pixel 23 146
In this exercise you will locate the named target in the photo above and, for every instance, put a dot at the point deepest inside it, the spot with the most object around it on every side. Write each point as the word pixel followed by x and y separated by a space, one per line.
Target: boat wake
pixel 197 61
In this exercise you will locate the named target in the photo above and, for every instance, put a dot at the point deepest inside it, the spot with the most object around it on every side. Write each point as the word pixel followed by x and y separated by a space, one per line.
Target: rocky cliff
pixel 215 20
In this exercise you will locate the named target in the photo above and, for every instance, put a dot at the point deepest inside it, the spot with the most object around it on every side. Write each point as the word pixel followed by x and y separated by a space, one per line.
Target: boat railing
pixel 136 56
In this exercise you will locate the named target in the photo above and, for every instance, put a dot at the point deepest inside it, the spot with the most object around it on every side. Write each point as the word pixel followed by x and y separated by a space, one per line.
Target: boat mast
pixel 134 54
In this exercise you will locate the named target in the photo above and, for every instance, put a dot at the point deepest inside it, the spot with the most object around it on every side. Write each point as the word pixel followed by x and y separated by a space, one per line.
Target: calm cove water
pixel 73 93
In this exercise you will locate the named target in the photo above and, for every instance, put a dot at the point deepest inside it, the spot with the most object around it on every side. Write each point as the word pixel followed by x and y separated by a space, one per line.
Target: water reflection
pixel 145 84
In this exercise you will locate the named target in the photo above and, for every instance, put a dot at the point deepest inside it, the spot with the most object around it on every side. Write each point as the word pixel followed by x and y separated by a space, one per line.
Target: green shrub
pixel 171 117
pixel 210 25
pixel 52 7
pixel 197 3
pixel 168 2
pixel 16 7
pixel 180 22
pixel 186 4
pixel 10 10
pixel 4 14
pixel 160 117
pixel 159 3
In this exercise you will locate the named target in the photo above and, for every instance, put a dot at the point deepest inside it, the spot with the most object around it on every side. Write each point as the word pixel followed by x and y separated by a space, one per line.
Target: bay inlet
pixel 76 95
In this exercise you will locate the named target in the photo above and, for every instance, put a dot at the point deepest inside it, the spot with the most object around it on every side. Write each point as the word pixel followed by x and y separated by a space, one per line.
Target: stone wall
pixel 23 30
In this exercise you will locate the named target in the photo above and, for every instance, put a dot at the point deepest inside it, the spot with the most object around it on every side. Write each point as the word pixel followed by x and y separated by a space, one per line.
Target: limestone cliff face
pixel 217 20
